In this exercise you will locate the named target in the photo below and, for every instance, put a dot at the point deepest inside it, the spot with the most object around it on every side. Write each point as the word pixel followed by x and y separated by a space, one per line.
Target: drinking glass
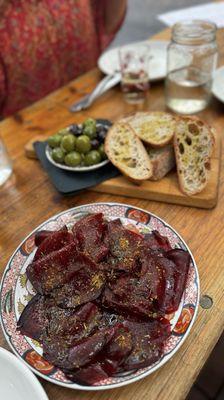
pixel 134 66
pixel 5 164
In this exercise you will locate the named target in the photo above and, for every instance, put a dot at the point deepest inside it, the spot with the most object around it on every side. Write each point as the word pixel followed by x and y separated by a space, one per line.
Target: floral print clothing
pixel 44 44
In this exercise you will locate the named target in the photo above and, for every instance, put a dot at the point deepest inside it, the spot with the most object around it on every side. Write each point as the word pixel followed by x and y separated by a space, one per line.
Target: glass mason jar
pixel 191 60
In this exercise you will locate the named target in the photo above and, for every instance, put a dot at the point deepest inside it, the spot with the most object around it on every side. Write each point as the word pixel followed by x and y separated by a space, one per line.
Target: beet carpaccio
pixel 103 293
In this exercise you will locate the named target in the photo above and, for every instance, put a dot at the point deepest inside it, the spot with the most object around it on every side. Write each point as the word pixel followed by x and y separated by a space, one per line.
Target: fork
pixel 105 84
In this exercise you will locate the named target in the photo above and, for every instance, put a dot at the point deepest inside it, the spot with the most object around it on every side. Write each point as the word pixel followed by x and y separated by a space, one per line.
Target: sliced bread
pixel 162 160
pixel 193 145
pixel 154 128
pixel 126 151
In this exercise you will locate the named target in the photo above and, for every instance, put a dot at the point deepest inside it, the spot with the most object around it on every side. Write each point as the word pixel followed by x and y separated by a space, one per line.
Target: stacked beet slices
pixel 102 296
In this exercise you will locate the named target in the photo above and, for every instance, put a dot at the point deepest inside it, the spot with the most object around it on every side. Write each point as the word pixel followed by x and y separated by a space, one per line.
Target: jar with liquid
pixel 191 62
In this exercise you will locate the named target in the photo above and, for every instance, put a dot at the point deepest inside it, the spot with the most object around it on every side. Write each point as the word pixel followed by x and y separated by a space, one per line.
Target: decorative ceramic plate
pixel 74 169
pixel 109 60
pixel 218 84
pixel 16 292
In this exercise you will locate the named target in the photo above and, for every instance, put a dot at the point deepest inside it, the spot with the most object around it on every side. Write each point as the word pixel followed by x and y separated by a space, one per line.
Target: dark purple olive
pixel 95 144
pixel 75 129
pixel 101 135
pixel 99 127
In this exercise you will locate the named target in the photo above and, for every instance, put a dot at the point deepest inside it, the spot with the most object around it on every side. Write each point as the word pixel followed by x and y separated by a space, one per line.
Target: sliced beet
pixel 176 269
pixel 109 358
pixel 65 328
pixel 148 343
pixel 33 320
pixel 86 350
pixel 53 242
pixel 86 286
pixel 40 236
pixel 139 295
pixel 89 375
pixel 72 324
pixel 57 268
pixel 103 293
pixel 117 350
pixel 152 279
pixel 125 247
pixel 156 242
pixel 89 232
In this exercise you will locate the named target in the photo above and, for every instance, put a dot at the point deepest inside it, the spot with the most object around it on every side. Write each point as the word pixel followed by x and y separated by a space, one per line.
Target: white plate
pixel 109 62
pixel 17 382
pixel 74 169
pixel 218 84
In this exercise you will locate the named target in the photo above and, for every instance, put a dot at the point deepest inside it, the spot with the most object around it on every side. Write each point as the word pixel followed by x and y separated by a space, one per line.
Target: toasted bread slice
pixel 154 128
pixel 126 151
pixel 162 160
pixel 193 145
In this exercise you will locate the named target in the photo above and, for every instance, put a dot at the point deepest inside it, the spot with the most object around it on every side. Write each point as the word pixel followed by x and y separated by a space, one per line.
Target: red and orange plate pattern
pixel 16 291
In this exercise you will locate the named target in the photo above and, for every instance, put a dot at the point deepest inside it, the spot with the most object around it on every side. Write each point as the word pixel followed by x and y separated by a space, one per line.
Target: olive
pixel 102 152
pixel 68 142
pixel 83 144
pixel 93 157
pixel 95 144
pixel 90 130
pixel 73 159
pixel 101 135
pixel 54 141
pixel 75 129
pixel 99 127
pixel 63 131
pixel 58 155
pixel 89 122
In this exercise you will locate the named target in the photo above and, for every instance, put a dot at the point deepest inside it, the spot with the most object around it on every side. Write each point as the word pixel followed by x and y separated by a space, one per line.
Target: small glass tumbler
pixel 191 61
pixel 134 66
pixel 5 164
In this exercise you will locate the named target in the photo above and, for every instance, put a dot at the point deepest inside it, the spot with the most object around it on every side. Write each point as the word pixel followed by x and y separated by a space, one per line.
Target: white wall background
pixel 141 21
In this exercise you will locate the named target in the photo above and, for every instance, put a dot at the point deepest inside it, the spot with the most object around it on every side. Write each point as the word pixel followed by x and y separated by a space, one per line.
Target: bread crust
pixel 162 161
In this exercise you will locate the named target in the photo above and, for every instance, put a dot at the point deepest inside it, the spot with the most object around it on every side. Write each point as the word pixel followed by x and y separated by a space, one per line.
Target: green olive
pixel 89 121
pixel 68 142
pixel 90 131
pixel 102 152
pixel 64 131
pixel 58 155
pixel 93 157
pixel 73 159
pixel 83 144
pixel 54 141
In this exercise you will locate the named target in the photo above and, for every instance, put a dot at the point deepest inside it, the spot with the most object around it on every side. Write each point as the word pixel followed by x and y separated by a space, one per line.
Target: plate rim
pixel 23 367
pixel 218 71
pixel 133 379
pixel 74 169
pixel 164 42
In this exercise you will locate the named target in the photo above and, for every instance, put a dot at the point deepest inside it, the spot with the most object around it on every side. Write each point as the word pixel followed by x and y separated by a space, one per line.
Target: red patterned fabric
pixel 44 44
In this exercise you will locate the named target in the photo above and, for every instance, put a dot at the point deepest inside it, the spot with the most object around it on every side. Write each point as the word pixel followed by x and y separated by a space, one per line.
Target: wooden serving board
pixel 167 189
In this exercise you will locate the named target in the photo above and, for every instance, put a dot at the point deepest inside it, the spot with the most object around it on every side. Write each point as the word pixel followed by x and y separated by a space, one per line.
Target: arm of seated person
pixel 114 14
pixel 109 16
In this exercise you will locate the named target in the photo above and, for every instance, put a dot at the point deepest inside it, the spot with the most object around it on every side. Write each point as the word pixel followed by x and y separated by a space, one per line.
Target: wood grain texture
pixel 28 199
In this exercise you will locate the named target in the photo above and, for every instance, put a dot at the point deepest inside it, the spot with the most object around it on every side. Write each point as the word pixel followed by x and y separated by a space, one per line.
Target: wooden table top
pixel 28 199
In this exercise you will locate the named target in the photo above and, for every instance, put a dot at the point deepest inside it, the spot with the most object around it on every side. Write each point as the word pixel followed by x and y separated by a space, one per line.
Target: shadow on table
pixel 210 383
